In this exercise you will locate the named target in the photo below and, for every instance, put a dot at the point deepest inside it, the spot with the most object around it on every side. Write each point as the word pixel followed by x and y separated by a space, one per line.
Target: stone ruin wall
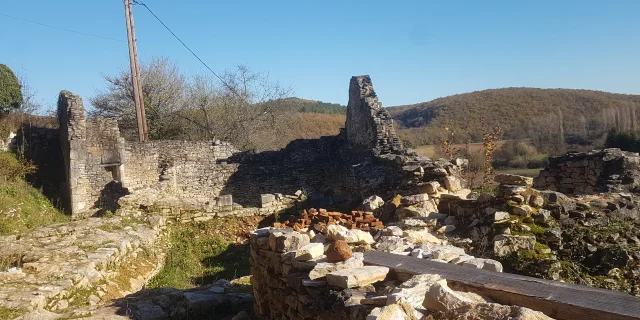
pixel 369 126
pixel 101 166
pixel 608 170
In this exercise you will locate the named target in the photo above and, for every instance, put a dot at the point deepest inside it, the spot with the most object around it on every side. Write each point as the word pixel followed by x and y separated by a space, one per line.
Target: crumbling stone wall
pixel 333 171
pixel 369 126
pixel 74 151
pixel 608 170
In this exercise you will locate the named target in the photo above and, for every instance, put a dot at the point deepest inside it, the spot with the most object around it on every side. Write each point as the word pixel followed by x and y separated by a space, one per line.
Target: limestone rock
pixel 372 203
pixel 432 187
pixel 391 244
pixel 504 245
pixel 440 297
pixel 283 242
pixel 494 311
pixel 322 268
pixel 421 236
pixel 357 277
pixel 512 179
pixel 543 217
pixel 501 216
pixel 523 211
pixel 414 199
pixel 338 251
pixel 337 232
pixel 392 231
pixel 452 183
pixel 397 311
pixel 310 251
pixel 413 290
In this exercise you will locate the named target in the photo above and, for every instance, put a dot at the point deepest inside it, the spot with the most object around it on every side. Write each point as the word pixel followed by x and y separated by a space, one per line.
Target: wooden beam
pixel 556 299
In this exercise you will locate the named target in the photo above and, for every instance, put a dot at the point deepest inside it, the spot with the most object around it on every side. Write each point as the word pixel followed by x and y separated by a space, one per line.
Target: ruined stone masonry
pixel 608 170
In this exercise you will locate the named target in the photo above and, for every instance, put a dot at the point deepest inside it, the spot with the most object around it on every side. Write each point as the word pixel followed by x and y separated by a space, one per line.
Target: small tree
pixel 10 93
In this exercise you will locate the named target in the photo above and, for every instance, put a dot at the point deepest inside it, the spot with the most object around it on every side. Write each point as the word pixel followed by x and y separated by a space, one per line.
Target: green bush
pixel 10 93
pixel 625 140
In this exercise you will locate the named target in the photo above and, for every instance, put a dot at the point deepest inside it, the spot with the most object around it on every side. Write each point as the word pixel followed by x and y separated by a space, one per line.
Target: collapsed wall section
pixel 608 170
pixel 369 126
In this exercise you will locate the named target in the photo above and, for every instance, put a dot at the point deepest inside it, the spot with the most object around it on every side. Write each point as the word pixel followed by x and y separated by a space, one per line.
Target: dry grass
pixel 431 150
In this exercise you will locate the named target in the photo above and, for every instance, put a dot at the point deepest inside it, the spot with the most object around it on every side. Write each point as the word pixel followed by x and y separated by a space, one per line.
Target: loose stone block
pixel 282 242
pixel 310 251
pixel 358 277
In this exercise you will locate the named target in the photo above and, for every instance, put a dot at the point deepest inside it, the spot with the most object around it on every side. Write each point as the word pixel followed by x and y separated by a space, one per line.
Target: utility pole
pixel 135 73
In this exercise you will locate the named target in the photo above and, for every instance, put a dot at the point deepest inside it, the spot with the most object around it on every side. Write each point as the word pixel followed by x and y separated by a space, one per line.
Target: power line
pixel 193 53
pixel 63 29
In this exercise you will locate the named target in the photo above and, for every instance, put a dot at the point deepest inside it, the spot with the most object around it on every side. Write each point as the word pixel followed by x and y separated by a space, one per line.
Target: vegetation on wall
pixel 22 207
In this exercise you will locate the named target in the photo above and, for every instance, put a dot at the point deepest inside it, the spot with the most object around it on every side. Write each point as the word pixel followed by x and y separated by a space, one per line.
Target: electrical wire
pixel 193 53
pixel 63 29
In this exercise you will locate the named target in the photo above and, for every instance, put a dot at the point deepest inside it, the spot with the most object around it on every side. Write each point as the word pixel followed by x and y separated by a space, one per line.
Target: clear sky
pixel 414 50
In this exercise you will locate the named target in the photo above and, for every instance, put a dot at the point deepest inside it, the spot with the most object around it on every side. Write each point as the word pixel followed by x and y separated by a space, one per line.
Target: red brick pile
pixel 319 219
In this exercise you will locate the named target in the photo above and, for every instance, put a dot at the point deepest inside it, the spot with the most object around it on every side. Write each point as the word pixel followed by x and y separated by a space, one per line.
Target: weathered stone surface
pixel 322 268
pixel 338 251
pixel 392 231
pixel 414 199
pixel 291 241
pixel 504 245
pixel 397 311
pixel 413 290
pixel 391 244
pixel 310 251
pixel 452 183
pixel 357 277
pixel 493 311
pixel 440 297
pixel 523 211
pixel 421 236
pixel 336 232
pixel 512 179
pixel 501 216
pixel 372 203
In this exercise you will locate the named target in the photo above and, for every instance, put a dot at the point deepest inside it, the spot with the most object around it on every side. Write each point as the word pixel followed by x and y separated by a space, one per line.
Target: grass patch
pixel 204 252
pixel 7 314
pixel 22 207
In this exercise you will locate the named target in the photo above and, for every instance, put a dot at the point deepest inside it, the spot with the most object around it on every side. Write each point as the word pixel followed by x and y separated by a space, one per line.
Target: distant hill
pixel 579 116
pixel 311 106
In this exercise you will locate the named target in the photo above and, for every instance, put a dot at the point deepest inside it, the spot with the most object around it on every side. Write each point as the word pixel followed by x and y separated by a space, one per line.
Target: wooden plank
pixel 556 299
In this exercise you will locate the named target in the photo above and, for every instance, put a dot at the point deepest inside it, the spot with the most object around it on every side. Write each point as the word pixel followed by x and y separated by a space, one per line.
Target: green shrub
pixel 10 93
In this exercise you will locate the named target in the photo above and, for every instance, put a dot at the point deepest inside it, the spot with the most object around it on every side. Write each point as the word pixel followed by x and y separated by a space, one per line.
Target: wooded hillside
pixel 576 117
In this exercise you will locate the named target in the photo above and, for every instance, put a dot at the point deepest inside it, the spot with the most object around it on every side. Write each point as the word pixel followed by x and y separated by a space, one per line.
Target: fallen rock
pixel 338 251
pixel 504 245
pixel 414 199
pixel 357 277
pixel 391 244
pixel 493 311
pixel 283 242
pixel 421 236
pixel 440 297
pixel 311 251
pixel 512 179
pixel 372 203
pixel 452 183
pixel 337 232
pixel 392 231
pixel 523 211
pixel 413 290
pixel 397 311
pixel 322 268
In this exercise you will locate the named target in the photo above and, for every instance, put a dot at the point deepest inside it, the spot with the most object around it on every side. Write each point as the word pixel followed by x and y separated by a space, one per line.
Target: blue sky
pixel 414 50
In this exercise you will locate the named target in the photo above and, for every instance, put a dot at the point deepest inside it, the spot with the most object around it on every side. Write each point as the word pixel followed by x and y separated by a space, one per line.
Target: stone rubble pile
pixel 61 266
pixel 199 208
pixel 318 220
pixel 295 276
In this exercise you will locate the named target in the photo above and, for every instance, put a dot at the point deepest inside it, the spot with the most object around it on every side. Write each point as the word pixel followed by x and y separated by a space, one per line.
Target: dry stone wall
pixel 337 171
pixel 369 126
pixel 608 170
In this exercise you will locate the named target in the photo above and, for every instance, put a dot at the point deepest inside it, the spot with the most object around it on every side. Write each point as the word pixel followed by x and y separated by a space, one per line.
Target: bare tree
pixel 163 90
pixel 29 103
pixel 244 108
